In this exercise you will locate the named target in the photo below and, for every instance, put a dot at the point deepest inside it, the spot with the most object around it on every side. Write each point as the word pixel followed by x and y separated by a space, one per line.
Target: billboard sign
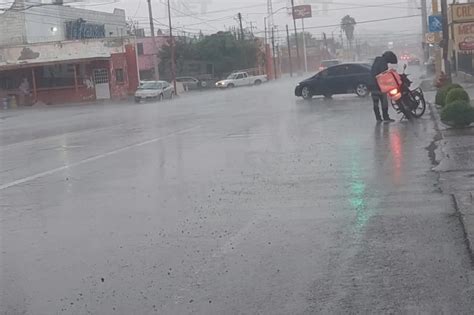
pixel 302 11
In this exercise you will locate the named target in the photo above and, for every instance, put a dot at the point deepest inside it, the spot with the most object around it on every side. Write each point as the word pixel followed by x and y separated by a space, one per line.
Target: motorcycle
pixel 411 103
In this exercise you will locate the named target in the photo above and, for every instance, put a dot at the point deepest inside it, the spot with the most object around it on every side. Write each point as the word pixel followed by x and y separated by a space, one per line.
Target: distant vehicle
pixel 415 61
pixel 328 63
pixel 157 90
pixel 341 79
pixel 191 83
pixel 411 60
pixel 241 79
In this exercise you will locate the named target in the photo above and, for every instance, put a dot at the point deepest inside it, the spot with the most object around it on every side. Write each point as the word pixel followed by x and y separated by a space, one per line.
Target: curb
pixel 435 148
pixel 463 201
pixel 464 206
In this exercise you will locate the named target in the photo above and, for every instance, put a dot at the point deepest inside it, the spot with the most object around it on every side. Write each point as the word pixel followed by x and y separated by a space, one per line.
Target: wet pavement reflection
pixel 244 201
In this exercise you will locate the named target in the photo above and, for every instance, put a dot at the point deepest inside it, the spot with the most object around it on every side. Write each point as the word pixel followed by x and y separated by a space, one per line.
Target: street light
pixel 265 19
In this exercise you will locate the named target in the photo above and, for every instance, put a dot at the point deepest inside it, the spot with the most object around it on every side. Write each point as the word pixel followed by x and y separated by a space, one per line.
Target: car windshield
pixel 233 76
pixel 150 86
pixel 328 63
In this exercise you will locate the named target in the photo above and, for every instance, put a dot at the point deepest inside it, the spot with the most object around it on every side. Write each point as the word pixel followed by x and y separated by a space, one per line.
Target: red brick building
pixel 59 53
pixel 70 71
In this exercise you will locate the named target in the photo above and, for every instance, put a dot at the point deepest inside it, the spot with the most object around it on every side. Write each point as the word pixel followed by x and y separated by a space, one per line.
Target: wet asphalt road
pixel 245 201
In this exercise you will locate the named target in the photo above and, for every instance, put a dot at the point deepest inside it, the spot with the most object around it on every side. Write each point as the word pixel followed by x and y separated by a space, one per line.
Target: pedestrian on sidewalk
pixel 380 65
pixel 24 90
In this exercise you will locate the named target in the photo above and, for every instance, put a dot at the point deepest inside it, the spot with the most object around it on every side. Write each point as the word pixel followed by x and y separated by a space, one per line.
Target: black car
pixel 341 79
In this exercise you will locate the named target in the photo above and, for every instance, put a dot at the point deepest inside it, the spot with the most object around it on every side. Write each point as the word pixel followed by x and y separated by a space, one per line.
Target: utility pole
pixel 274 56
pixel 424 20
pixel 326 47
pixel 173 52
pixel 152 29
pixel 447 62
pixel 304 48
pixel 267 51
pixel 265 23
pixel 298 60
pixel 278 58
pixel 239 15
pixel 289 50
pixel 438 57
pixel 270 13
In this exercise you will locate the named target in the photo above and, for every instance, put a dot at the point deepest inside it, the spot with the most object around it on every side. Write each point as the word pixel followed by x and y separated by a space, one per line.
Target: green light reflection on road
pixel 358 191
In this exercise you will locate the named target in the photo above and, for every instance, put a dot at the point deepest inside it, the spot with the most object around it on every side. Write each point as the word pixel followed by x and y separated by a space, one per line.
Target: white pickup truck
pixel 241 79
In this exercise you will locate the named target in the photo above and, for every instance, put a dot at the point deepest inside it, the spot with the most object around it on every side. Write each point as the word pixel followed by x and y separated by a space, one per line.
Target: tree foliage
pixel 457 94
pixel 459 113
pixel 310 40
pixel 348 24
pixel 443 92
pixel 223 50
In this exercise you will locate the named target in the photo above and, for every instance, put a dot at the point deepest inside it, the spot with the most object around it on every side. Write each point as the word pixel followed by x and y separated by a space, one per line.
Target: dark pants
pixel 380 98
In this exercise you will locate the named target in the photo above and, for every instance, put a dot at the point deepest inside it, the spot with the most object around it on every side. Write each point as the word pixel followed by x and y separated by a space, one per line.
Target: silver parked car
pixel 154 90
pixel 191 83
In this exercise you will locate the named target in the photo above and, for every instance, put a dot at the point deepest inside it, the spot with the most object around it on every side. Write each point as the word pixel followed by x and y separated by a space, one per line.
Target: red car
pixel 411 60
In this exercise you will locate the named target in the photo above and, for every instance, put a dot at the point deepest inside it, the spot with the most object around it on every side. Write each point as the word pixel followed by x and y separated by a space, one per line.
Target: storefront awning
pixel 39 63
pixel 13 57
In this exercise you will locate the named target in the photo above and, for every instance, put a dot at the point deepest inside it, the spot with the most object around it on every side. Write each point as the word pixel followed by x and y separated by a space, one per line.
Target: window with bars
pixel 119 76
pixel 101 76
pixel 140 49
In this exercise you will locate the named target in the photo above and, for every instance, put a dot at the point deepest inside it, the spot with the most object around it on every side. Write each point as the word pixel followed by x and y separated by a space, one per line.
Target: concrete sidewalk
pixel 454 156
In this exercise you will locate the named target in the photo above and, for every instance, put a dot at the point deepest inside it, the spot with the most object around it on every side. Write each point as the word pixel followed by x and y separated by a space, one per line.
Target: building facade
pixel 146 52
pixel 461 19
pixel 30 21
pixel 59 54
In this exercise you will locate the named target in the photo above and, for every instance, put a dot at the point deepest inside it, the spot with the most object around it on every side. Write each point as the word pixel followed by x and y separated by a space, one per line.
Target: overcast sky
pixel 212 15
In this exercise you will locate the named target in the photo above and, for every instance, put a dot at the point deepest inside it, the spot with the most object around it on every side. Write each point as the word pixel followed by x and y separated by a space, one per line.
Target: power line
pixel 194 17
pixel 223 10
pixel 138 8
pixel 36 5
pixel 375 6
pixel 363 22
pixel 48 13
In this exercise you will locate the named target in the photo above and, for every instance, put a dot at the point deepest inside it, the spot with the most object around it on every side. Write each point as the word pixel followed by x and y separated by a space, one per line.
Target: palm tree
pixel 348 24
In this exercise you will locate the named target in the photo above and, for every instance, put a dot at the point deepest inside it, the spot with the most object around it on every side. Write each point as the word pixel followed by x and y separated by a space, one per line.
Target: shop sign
pixel 462 12
pixel 464 36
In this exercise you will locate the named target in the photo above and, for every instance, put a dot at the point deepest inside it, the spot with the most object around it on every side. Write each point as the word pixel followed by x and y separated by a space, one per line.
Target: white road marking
pixel 91 159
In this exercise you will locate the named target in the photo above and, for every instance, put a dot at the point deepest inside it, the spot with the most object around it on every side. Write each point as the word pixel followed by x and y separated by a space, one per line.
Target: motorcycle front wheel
pixel 405 107
pixel 400 107
pixel 419 100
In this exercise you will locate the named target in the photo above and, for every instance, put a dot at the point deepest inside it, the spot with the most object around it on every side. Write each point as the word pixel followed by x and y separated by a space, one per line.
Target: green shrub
pixel 443 92
pixel 457 94
pixel 459 113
